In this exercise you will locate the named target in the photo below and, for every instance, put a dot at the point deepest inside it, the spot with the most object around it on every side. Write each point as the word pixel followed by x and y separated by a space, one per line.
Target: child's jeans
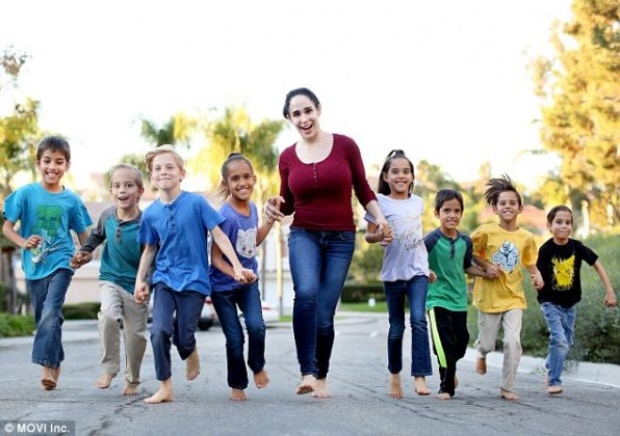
pixel 561 324
pixel 415 290
pixel 118 308
pixel 247 298
pixel 47 296
pixel 168 329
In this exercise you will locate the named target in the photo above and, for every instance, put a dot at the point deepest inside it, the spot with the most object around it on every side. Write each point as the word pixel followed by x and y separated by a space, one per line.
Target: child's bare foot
pixel 456 381
pixel 396 389
pixel 420 386
pixel 130 389
pixel 444 396
pixel 163 395
pixel 237 395
pixel 48 378
pixel 307 385
pixel 481 365
pixel 508 395
pixel 261 379
pixel 554 390
pixel 104 381
pixel 320 389
pixel 192 365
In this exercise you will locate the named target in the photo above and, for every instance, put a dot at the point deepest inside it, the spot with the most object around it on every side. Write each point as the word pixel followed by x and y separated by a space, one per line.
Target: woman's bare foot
pixel 261 379
pixel 444 396
pixel 508 395
pixel 48 378
pixel 396 388
pixel 237 395
pixel 163 395
pixel 192 365
pixel 420 386
pixel 130 389
pixel 105 381
pixel 320 389
pixel 307 385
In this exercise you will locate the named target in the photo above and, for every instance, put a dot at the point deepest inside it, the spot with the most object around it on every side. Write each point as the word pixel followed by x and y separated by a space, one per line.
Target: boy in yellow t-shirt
pixel 502 249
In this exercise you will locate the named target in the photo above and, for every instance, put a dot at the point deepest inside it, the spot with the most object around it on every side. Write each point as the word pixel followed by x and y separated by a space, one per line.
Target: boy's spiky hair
pixel 498 185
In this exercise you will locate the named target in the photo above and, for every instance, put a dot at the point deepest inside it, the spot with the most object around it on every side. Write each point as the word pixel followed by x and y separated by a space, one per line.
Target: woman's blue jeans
pixel 47 296
pixel 247 298
pixel 319 264
pixel 395 292
pixel 561 324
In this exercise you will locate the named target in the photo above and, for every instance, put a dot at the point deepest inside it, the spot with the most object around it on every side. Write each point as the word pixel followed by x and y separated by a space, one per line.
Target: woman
pixel 318 175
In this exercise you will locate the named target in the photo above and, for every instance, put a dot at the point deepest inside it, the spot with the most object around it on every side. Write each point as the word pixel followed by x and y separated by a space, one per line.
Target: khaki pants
pixel 118 308
pixel 488 328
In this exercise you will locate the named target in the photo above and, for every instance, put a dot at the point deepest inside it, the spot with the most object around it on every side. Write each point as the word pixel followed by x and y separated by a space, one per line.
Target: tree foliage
pixel 19 127
pixel 177 130
pixel 580 91
pixel 234 131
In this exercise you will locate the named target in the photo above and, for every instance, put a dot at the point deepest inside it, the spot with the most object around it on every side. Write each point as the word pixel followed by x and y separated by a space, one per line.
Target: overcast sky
pixel 444 80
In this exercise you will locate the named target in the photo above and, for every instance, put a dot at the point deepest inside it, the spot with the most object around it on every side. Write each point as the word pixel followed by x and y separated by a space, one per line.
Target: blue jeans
pixel 319 264
pixel 47 296
pixel 168 329
pixel 415 290
pixel 561 325
pixel 247 298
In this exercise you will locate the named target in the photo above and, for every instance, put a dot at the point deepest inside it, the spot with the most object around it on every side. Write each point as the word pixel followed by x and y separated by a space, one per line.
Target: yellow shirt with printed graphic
pixel 511 250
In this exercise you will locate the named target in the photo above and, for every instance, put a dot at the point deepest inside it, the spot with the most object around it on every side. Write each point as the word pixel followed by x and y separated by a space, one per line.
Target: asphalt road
pixel 358 381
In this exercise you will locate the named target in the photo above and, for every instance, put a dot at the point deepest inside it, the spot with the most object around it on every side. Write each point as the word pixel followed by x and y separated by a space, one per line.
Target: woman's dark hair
pixel 554 211
pixel 383 187
pixel 498 185
pixel 444 195
pixel 55 144
pixel 299 91
pixel 223 189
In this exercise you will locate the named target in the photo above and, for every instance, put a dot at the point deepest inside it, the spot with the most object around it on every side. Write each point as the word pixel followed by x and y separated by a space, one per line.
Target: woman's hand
pixel 272 209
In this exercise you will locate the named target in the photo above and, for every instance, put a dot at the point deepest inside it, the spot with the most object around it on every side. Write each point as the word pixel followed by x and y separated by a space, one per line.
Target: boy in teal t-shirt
pixel 449 256
pixel 47 213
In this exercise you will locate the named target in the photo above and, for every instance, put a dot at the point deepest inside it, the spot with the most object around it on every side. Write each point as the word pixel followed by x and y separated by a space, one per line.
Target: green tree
pixel 235 131
pixel 18 133
pixel 176 131
pixel 581 107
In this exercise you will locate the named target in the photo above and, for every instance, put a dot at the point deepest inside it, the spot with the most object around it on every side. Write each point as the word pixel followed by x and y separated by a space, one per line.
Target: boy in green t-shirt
pixel 449 255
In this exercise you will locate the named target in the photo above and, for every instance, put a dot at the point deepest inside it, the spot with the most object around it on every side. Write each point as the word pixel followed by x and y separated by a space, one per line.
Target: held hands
pixel 141 292
pixel 245 276
pixel 432 277
pixel 272 209
pixel 80 258
pixel 493 271
pixel 384 229
pixel 537 281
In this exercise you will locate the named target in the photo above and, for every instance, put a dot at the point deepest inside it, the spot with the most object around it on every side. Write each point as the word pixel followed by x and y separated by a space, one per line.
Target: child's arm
pixel 537 280
pixel 241 274
pixel 263 230
pixel 141 290
pixel 218 261
pixel 82 256
pixel 31 241
pixel 492 271
pixel 610 297
pixel 475 270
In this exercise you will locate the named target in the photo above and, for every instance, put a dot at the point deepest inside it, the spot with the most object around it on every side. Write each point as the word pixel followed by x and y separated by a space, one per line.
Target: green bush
pixel 81 311
pixel 361 292
pixel 15 325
